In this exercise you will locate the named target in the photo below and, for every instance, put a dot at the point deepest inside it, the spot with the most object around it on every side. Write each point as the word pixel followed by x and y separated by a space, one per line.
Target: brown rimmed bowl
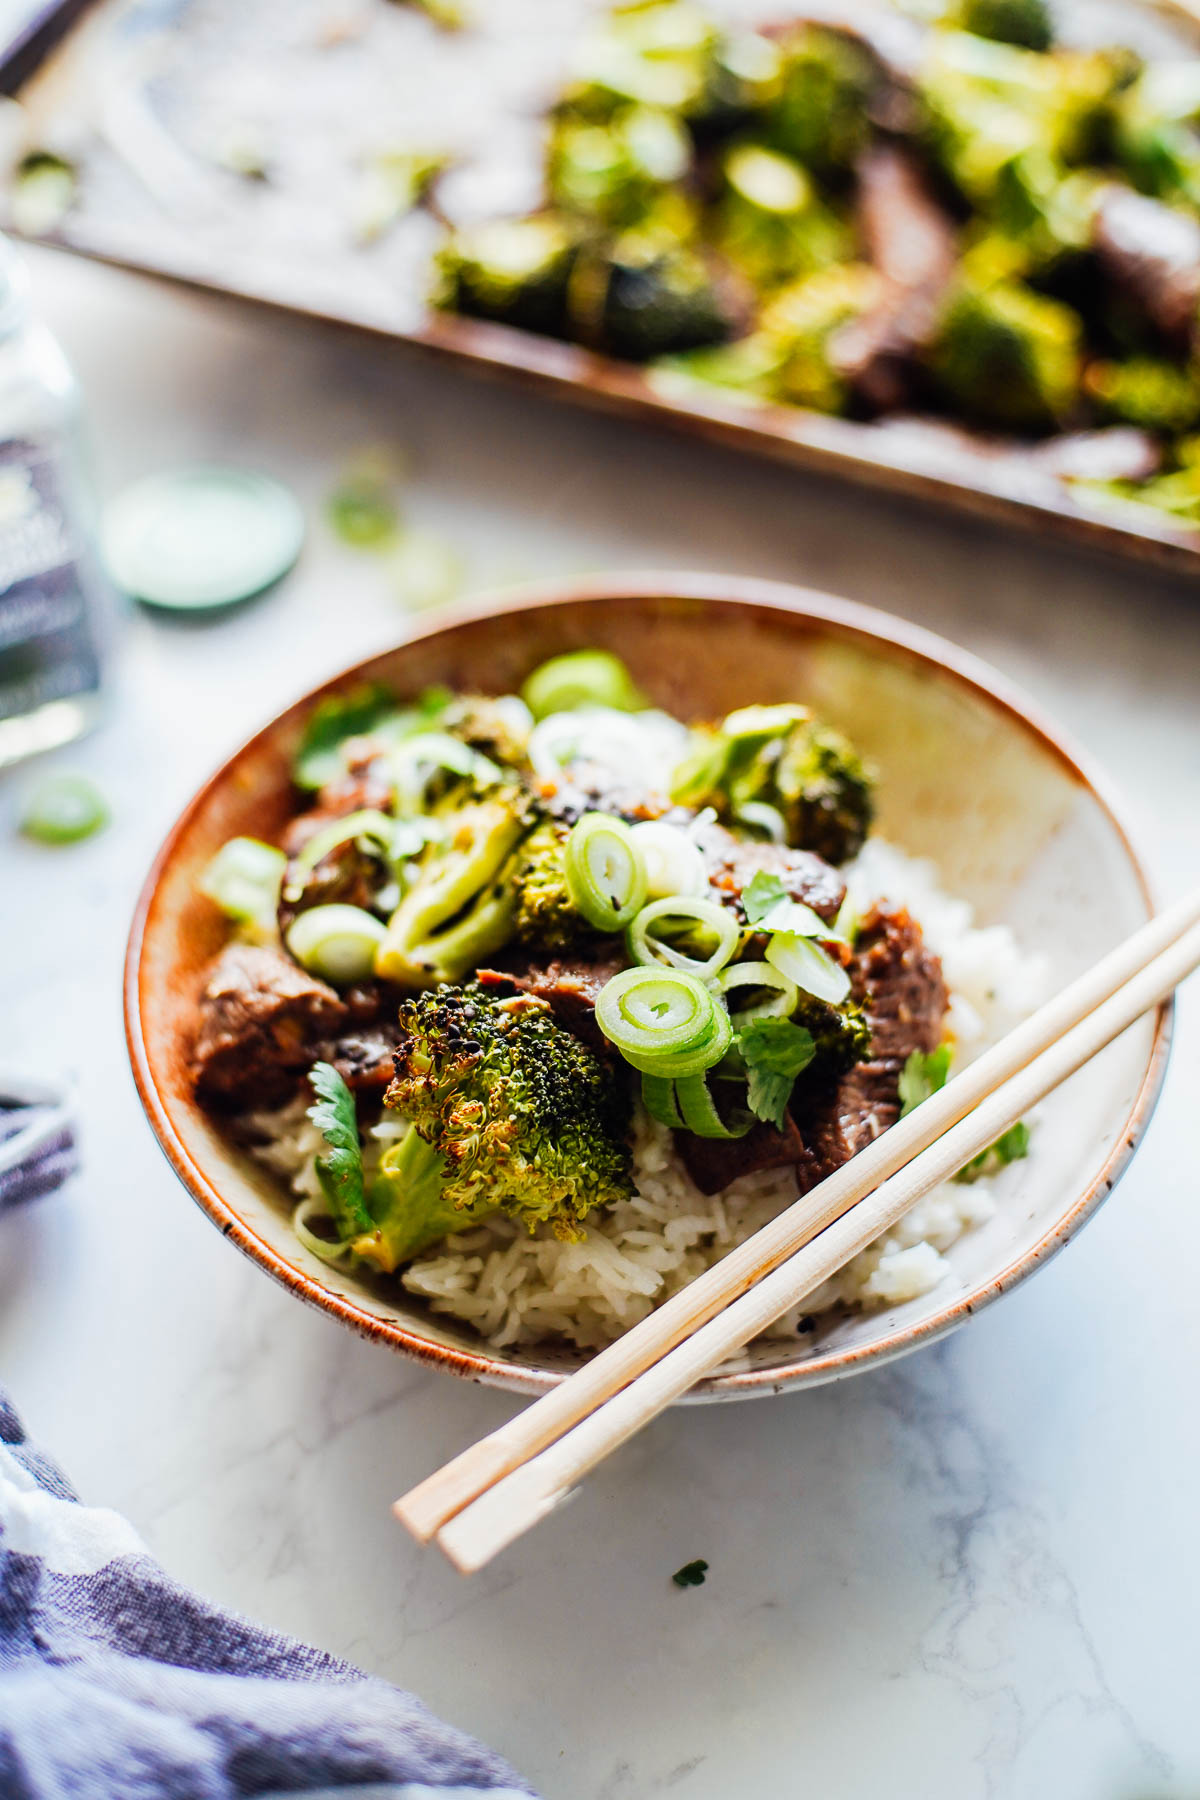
pixel 971 777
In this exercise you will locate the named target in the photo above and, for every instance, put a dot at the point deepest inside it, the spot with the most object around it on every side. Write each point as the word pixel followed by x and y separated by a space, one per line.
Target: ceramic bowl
pixel 970 777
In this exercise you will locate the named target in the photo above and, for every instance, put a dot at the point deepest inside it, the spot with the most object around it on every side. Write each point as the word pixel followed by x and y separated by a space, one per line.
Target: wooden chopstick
pixel 436 1500
pixel 531 1491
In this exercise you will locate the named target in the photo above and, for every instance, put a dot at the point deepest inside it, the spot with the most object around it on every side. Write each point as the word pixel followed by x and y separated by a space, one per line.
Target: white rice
pixel 516 1289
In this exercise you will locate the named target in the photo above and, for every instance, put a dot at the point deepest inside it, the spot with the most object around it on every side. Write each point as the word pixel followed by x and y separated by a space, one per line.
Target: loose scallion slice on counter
pixel 581 678
pixel 716 923
pixel 336 942
pixel 606 876
pixel 244 879
pixel 63 809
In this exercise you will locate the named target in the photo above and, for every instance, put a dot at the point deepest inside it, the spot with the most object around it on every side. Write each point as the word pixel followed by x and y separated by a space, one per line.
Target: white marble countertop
pixel 972 1574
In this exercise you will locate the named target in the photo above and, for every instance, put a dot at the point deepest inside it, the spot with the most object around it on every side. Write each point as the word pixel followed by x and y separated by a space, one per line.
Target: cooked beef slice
pixel 263 1022
pixel 713 1163
pixel 1151 254
pixel 898 982
pixel 570 985
pixel 912 241
pixel 345 876
pixel 363 1059
pixel 733 862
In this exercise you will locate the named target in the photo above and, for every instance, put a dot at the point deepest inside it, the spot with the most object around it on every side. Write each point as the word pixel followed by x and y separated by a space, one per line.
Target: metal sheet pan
pixel 151 96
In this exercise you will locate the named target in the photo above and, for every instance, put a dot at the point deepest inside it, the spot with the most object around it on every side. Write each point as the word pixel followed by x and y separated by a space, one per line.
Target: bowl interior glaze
pixel 969 778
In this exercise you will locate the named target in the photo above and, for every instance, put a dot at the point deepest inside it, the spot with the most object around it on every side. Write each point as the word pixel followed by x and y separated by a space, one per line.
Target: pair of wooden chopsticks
pixel 492 1493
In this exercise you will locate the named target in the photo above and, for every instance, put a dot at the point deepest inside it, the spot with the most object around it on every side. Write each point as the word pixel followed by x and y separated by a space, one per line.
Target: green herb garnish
pixel 774 1051
pixel 922 1075
pixel 692 1574
pixel 762 895
pixel 340 1166
pixel 331 722
pixel 1009 1147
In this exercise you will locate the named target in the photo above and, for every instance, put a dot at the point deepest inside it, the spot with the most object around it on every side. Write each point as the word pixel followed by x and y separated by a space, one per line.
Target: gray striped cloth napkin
pixel 118 1684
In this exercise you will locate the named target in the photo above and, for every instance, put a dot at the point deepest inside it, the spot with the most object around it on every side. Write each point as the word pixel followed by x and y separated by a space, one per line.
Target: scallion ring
pixel 580 678
pixel 336 942
pixel 760 815
pixel 243 878
pixel 717 922
pixel 606 876
pixel 330 1250
pixel 368 825
pixel 811 968
pixel 674 861
pixel 663 1021
pixel 699 1111
pixel 658 1098
pixel 784 998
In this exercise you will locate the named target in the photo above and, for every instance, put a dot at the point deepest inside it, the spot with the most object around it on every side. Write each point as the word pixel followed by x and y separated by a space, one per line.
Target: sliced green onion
pixel 663 1021
pixel 416 760
pixel 330 1250
pixel 699 1111
pixel 760 815
pixel 674 861
pixel 658 1098
pixel 798 920
pixel 717 922
pixel 763 721
pixel 605 872
pixel 760 975
pixel 580 678
pixel 811 968
pixel 63 810
pixel 369 824
pixel 243 878
pixel 336 942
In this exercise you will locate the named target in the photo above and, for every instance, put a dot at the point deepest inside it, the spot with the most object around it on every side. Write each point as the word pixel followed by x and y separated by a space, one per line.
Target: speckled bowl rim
pixel 847 620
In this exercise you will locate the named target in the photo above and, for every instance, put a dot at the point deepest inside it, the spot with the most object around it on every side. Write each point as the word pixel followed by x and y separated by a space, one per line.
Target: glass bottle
pixel 54 600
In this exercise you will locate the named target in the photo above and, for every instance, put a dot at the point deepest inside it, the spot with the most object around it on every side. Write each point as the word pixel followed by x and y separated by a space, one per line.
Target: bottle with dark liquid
pixel 53 597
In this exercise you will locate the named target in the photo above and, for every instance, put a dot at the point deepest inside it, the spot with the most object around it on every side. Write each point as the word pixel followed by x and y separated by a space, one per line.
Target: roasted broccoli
pixel 611 174
pixel 1024 22
pixel 546 915
pixel 511 270
pixel 508 1113
pixel 647 295
pixel 743 76
pixel 656 53
pixel 841 1035
pixel 820 116
pixel 1006 355
pixel 1146 391
pixel 776 765
pixel 1154 131
pixel 461 906
pixel 770 223
pixel 497 728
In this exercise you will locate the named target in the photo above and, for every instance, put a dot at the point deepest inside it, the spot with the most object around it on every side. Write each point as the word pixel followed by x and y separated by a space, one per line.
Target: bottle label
pixel 47 627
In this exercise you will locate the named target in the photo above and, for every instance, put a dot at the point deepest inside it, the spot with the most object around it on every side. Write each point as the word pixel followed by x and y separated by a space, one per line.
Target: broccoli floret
pixel 461 906
pixel 841 1034
pixel 781 758
pixel 1006 355
pixel 656 53
pixel 1157 395
pixel 509 1113
pixel 1154 135
pixel 803 321
pixel 511 270
pixel 646 294
pixel 743 77
pixel 770 223
pixel 546 915
pixel 820 116
pixel 1024 22
pixel 497 728
pixel 611 174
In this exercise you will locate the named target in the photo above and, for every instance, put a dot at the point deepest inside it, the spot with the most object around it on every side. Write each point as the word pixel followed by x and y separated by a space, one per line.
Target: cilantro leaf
pixel 922 1076
pixel 339 1167
pixel 692 1574
pixel 774 1051
pixel 1009 1147
pixel 761 895
pixel 331 722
